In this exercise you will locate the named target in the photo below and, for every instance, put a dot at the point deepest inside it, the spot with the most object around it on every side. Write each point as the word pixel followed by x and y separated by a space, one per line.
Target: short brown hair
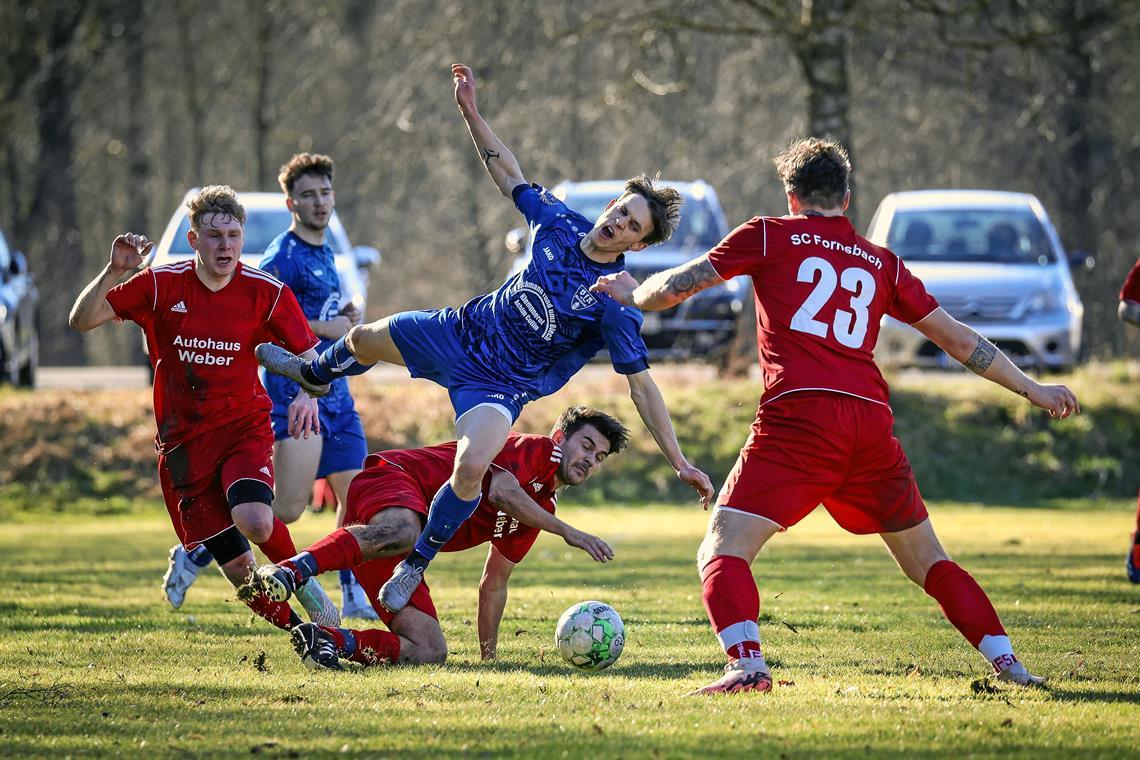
pixel 816 170
pixel 576 417
pixel 664 206
pixel 215 199
pixel 301 164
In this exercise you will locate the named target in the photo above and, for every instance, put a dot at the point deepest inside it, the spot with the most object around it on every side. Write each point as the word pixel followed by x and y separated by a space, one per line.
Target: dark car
pixel 19 305
pixel 704 325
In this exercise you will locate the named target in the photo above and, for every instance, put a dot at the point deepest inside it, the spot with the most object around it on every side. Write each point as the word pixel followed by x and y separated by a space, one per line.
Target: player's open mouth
pixel 223 260
pixel 606 232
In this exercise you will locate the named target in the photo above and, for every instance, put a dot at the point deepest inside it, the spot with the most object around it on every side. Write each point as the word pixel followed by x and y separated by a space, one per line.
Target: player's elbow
pixel 76 322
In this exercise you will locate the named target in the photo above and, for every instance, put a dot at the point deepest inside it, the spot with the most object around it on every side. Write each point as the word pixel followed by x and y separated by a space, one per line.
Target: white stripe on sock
pixel 745 630
pixel 993 647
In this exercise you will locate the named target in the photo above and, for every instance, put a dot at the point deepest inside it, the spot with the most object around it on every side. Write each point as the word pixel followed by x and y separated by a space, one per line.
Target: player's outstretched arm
pixel 662 290
pixel 500 162
pixel 91 308
pixel 492 601
pixel 1129 312
pixel 982 357
pixel 507 495
pixel 651 406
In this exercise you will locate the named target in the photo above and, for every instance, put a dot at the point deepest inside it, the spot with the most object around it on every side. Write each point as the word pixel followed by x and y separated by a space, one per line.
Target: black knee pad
pixel 227 545
pixel 248 490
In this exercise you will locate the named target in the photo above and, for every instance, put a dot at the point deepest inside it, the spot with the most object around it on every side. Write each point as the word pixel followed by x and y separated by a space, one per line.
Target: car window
pixel 261 227
pixel 1010 236
pixel 5 254
pixel 698 230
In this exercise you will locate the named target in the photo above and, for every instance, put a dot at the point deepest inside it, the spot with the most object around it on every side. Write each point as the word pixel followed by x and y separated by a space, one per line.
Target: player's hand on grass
pixel 464 87
pixel 129 251
pixel 618 286
pixel 303 417
pixel 700 483
pixel 592 545
pixel 1058 400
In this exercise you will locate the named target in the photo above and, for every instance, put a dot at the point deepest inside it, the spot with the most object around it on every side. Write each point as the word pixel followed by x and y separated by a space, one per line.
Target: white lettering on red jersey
pixel 821 292
pixel 531 459
pixel 201 343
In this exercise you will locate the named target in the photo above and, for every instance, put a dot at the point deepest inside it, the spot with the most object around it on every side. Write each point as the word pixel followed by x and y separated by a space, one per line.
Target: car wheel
pixel 27 375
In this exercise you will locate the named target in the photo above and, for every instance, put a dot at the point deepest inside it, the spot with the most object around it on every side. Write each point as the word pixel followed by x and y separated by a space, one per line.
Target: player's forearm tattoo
pixel 692 279
pixel 982 357
pixel 489 155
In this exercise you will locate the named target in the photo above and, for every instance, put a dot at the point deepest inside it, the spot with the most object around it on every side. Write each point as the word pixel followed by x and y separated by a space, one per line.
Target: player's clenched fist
pixel 618 286
pixel 129 251
pixel 464 86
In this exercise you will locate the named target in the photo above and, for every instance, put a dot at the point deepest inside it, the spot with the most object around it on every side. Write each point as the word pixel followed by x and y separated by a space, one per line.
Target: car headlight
pixel 1045 301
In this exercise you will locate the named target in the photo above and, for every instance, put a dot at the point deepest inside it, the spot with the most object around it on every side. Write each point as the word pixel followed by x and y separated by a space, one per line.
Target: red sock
pixel 277 613
pixel 279 546
pixel 337 551
pixel 732 602
pixel 373 646
pixel 963 602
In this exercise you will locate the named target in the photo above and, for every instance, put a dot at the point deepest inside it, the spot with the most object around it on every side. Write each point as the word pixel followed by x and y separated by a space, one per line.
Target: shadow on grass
pixel 1070 695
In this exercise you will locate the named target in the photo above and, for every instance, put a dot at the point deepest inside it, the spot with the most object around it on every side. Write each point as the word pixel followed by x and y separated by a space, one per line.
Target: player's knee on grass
pixel 423 637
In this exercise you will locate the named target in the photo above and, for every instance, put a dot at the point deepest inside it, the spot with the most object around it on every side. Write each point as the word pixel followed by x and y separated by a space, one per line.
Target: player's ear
pixel 793 203
pixel 289 203
pixel 640 245
pixel 846 200
pixel 558 436
pixel 192 239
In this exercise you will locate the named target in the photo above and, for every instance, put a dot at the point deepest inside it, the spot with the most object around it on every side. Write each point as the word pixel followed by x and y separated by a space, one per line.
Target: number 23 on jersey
pixel 849 326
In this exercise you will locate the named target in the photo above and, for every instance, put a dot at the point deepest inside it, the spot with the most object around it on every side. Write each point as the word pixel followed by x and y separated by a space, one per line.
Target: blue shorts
pixel 342 432
pixel 428 341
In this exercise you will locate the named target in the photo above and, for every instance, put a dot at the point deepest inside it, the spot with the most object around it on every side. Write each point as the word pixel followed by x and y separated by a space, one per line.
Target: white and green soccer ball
pixel 590 635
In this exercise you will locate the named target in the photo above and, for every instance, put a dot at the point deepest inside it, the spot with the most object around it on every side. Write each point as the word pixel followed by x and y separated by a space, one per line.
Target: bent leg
pixel 371 343
pixel 295 462
pixel 962 600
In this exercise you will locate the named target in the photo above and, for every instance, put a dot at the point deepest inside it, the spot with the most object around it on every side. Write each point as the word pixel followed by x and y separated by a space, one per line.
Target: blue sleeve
pixel 621 330
pixel 537 204
pixel 279 264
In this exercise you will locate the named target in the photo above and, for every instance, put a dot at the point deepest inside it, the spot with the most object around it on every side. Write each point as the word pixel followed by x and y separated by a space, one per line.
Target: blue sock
pixel 349 648
pixel 446 514
pixel 335 361
pixel 201 556
pixel 347 578
pixel 304 567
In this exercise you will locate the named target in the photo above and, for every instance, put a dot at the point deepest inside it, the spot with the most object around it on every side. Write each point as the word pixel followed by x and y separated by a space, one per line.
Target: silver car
pixel 992 260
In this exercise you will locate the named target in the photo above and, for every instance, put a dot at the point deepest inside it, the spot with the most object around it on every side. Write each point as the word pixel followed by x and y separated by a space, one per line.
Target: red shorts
pixel 371 492
pixel 814 448
pixel 196 476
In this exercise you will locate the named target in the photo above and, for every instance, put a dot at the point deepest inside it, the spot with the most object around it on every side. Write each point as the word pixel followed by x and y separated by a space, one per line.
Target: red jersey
pixel 532 459
pixel 1131 289
pixel 821 291
pixel 201 343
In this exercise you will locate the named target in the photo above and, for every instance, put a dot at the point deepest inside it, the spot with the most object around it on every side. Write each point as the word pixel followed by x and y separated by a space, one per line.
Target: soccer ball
pixel 590 635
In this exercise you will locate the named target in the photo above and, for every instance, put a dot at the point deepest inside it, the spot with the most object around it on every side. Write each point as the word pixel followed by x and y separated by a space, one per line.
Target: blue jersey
pixel 543 324
pixel 310 272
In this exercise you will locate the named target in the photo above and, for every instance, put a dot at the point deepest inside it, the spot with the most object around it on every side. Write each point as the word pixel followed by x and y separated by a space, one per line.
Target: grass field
pixel 93 662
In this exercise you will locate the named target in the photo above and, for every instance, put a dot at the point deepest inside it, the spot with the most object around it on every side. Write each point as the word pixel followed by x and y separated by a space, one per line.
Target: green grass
pixel 93 662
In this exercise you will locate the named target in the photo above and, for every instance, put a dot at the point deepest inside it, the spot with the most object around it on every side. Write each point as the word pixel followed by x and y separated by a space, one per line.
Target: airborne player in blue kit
pixel 523 341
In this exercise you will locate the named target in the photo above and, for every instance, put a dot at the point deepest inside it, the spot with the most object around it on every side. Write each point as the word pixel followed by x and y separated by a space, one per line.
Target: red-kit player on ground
pixel 202 320
pixel 1129 312
pixel 387 506
pixel 823 430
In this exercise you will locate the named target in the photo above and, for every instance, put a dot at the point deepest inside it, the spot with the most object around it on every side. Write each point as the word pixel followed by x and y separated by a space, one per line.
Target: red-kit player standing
pixel 202 320
pixel 387 507
pixel 823 430
pixel 1129 312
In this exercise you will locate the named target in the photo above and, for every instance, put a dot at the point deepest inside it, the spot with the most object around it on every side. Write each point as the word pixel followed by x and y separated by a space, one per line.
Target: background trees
pixel 112 109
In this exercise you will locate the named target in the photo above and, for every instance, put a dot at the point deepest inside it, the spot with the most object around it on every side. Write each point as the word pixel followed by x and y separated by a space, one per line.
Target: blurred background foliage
pixel 112 109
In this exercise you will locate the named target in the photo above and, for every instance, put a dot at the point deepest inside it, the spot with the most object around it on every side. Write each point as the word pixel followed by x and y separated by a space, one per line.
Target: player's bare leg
pixel 295 462
pixel 354 602
pixel 923 560
pixel 732 600
pixel 372 342
pixel 482 431
pixel 257 522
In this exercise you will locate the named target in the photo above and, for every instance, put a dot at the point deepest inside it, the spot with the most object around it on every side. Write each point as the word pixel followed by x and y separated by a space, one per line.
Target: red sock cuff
pixel 277 613
pixel 938 573
pixel 723 562
pixel 337 551
pixel 279 546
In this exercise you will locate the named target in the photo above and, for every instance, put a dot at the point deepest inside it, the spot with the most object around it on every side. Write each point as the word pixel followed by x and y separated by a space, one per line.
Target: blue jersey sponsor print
pixel 310 272
pixel 543 324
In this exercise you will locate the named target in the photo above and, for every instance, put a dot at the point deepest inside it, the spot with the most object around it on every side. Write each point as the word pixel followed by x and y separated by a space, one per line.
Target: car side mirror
pixel 18 265
pixel 366 256
pixel 516 238
pixel 1082 260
